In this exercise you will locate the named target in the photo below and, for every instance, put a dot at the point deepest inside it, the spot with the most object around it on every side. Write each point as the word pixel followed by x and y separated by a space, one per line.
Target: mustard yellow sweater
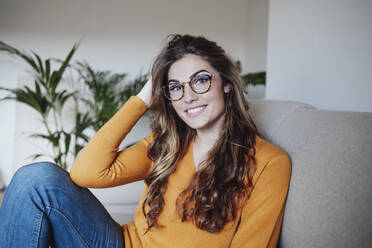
pixel 258 224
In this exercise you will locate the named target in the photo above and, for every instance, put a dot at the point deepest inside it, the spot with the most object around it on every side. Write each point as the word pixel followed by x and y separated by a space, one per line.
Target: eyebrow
pixel 195 73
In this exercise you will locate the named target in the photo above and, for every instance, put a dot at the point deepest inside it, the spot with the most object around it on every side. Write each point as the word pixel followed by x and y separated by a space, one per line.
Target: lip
pixel 194 114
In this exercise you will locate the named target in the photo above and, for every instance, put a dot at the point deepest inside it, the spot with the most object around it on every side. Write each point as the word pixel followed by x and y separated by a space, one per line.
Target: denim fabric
pixel 43 207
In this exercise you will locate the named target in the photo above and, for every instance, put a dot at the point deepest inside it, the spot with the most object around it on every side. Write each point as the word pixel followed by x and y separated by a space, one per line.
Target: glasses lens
pixel 173 91
pixel 201 83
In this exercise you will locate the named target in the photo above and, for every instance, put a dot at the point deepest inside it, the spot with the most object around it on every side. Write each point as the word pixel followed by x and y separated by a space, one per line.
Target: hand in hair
pixel 146 93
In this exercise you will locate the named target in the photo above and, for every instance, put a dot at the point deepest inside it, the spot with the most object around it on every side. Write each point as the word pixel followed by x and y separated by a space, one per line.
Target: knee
pixel 38 173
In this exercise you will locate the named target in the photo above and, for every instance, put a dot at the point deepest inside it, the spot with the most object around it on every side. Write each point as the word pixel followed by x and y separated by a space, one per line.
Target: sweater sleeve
pixel 100 164
pixel 262 213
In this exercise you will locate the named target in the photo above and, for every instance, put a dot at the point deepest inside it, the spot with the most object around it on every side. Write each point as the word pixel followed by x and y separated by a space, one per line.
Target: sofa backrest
pixel 329 202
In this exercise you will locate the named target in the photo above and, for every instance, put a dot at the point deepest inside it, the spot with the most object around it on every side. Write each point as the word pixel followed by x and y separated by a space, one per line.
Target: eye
pixel 174 87
pixel 202 79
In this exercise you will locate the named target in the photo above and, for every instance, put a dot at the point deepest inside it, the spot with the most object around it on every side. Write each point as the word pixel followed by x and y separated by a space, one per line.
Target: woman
pixel 211 181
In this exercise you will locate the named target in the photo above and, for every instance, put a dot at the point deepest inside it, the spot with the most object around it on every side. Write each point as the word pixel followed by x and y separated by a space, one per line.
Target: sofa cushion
pixel 330 195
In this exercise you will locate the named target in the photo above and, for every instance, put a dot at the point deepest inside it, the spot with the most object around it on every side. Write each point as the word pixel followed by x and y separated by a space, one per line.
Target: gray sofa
pixel 329 203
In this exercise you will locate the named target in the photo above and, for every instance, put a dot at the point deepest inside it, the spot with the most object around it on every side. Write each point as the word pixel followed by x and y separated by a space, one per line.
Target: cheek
pixel 218 98
pixel 177 108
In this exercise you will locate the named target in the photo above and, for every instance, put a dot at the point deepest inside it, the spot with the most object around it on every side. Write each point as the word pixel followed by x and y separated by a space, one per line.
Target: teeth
pixel 194 110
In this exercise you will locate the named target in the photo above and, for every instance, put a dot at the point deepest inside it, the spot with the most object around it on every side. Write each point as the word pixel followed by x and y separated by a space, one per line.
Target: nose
pixel 189 95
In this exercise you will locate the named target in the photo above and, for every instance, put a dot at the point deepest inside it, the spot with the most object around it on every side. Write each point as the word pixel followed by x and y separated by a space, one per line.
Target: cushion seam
pixel 285 119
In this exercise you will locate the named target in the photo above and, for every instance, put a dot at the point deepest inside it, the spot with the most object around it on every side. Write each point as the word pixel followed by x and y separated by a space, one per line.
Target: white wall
pixel 320 52
pixel 119 35
pixel 258 18
pixel 258 13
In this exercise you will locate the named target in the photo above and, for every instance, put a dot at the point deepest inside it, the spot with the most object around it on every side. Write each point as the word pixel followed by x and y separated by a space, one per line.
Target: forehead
pixel 182 69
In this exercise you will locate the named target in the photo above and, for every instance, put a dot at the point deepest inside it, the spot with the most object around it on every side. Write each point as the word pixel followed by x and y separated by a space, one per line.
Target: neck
pixel 207 137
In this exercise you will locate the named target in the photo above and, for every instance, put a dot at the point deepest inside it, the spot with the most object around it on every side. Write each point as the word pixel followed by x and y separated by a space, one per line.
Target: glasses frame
pixel 183 88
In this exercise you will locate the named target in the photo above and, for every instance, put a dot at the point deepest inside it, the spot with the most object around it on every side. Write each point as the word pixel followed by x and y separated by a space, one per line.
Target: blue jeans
pixel 43 207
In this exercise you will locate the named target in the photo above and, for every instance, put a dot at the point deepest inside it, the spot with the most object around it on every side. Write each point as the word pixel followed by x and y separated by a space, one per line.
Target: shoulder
pixel 270 158
pixel 267 150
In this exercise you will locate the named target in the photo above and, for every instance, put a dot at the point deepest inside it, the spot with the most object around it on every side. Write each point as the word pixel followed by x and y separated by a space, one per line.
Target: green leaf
pixel 239 65
pixel 43 97
pixel 38 90
pixel 77 149
pixel 58 160
pixel 53 81
pixel 52 138
pixel 61 98
pixel 36 156
pixel 29 97
pixel 256 78
pixel 67 142
pixel 57 75
pixel 40 63
pixel 23 55
pixel 47 70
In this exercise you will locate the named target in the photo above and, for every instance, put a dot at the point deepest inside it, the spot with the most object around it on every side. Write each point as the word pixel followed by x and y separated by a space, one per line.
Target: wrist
pixel 144 98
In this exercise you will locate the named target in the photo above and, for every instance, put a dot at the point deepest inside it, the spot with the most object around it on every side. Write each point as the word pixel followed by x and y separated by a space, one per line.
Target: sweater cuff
pixel 134 102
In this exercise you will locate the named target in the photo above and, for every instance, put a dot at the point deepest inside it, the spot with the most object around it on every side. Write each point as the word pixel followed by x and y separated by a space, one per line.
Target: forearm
pixel 98 160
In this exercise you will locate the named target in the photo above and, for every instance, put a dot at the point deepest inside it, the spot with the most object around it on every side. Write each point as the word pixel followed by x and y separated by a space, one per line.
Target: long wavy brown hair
pixel 224 179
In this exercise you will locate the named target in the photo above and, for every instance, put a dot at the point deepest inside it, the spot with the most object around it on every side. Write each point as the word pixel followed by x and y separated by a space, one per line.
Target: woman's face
pixel 203 112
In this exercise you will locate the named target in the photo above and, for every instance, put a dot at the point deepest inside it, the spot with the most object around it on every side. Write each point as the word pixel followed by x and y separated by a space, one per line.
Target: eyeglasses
pixel 199 83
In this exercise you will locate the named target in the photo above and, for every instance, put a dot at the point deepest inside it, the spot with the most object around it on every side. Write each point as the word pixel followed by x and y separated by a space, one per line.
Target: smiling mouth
pixel 195 110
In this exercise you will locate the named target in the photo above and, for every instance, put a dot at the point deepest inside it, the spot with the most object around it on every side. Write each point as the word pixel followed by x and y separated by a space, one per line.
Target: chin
pixel 194 125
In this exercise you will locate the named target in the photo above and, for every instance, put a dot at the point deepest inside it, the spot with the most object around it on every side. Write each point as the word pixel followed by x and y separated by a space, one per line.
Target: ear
pixel 227 88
